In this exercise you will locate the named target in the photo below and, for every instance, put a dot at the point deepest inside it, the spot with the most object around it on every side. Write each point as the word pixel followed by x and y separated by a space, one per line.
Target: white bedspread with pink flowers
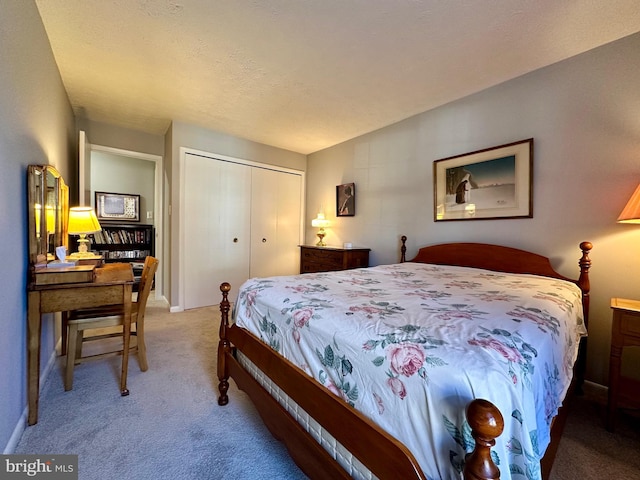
pixel 410 345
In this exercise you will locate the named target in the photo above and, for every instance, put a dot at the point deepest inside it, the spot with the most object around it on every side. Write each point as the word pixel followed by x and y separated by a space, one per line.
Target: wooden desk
pixel 112 285
pixel 625 332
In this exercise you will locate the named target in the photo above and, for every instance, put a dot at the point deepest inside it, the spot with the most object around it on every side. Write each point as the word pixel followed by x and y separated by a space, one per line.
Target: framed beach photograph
pixel 491 183
pixel 121 207
pixel 346 200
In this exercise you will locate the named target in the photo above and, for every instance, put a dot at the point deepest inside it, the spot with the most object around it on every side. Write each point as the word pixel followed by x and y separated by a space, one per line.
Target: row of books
pixel 122 254
pixel 120 236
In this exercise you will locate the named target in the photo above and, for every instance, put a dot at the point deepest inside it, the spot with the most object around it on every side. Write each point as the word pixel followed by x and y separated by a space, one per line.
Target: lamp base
pixel 83 246
pixel 321 240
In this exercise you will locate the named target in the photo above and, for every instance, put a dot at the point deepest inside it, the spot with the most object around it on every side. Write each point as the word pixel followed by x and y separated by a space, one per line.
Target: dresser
pixel 328 259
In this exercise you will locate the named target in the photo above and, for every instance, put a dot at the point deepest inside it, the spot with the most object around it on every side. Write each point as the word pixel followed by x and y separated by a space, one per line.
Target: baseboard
pixel 21 425
pixel 17 433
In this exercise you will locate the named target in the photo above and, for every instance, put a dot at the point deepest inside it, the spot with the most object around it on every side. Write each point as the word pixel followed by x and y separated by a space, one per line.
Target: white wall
pixel 36 127
pixel 120 174
pixel 584 116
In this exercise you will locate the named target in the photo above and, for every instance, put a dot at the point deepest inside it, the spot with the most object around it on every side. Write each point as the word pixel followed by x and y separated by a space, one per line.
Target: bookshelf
pixel 124 243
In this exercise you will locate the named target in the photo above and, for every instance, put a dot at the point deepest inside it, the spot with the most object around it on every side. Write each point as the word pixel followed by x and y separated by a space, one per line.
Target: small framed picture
pixel 346 200
pixel 121 207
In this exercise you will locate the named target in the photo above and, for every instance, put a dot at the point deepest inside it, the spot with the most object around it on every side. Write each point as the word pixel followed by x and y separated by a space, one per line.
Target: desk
pixel 111 285
pixel 625 332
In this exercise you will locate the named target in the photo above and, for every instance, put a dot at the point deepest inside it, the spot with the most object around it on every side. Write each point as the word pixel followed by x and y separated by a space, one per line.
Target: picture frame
pixel 346 200
pixel 120 207
pixel 486 184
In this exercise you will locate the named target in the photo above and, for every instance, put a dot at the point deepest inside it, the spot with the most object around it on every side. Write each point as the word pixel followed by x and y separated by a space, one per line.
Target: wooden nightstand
pixel 328 259
pixel 625 332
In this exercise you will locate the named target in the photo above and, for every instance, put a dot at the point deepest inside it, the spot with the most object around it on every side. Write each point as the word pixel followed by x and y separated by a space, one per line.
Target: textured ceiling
pixel 307 74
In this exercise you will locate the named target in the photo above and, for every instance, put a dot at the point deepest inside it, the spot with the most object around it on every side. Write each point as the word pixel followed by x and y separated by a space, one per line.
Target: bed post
pixel 403 249
pixel 585 286
pixel 583 280
pixel 224 346
pixel 486 424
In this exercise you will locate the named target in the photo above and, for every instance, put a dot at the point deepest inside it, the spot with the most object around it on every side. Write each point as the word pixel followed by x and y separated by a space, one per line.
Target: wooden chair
pixel 78 321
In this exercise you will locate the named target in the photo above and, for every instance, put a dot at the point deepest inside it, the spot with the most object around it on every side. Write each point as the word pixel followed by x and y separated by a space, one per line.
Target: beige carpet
pixel 588 451
pixel 171 427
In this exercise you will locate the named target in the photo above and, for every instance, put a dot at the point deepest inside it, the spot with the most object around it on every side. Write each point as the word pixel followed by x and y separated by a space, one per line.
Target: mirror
pixel 48 212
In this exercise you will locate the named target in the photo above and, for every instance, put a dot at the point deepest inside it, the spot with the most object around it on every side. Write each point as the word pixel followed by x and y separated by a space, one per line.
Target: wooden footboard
pixel 383 455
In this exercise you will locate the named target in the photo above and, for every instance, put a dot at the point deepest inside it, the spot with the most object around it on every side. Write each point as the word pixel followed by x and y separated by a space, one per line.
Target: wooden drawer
pixel 630 324
pixel 328 259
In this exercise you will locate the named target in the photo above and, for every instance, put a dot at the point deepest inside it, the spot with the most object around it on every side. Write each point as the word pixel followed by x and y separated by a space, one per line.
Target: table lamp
pixel 82 221
pixel 631 211
pixel 320 222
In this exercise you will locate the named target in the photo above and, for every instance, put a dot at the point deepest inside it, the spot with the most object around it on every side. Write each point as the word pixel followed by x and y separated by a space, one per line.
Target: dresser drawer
pixel 630 324
pixel 328 259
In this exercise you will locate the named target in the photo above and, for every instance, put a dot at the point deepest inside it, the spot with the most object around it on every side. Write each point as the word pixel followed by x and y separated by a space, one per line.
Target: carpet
pixel 171 427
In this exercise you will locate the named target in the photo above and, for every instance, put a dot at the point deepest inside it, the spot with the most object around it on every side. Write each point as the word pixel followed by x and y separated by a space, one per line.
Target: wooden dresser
pixel 328 259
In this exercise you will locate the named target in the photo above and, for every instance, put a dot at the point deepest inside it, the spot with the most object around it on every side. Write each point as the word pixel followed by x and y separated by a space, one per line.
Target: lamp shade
pixel 320 221
pixel 83 220
pixel 631 211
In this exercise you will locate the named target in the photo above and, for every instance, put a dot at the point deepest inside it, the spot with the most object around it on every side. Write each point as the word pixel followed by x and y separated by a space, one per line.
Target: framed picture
pixel 120 207
pixel 346 200
pixel 491 183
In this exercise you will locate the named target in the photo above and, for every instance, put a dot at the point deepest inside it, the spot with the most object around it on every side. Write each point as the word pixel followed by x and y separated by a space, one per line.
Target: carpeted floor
pixel 171 427
pixel 588 451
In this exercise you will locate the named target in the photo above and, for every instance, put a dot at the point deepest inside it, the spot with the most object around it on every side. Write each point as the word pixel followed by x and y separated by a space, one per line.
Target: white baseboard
pixel 21 425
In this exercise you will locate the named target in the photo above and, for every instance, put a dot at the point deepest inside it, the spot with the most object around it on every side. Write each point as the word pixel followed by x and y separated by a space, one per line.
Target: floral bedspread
pixel 410 345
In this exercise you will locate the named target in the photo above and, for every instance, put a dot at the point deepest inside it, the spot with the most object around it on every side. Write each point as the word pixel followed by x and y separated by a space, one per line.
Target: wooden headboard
pixel 501 259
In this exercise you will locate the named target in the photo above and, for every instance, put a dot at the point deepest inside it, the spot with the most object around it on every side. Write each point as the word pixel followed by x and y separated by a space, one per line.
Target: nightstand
pixel 625 332
pixel 329 259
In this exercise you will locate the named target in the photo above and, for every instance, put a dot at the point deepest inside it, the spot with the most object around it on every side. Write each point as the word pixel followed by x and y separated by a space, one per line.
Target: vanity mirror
pixel 48 210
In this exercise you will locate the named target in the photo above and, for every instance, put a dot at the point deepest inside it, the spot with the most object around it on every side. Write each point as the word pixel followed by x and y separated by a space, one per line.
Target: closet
pixel 240 220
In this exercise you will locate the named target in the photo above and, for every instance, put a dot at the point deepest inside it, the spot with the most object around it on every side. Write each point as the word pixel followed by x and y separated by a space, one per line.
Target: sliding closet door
pixel 275 222
pixel 217 202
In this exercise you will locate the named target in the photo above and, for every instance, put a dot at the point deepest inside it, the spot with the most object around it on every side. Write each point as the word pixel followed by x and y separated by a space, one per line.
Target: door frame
pixel 182 234
pixel 84 169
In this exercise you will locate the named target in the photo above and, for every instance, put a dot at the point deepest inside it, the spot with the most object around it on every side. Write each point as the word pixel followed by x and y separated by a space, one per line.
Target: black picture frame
pixel 117 207
pixel 346 200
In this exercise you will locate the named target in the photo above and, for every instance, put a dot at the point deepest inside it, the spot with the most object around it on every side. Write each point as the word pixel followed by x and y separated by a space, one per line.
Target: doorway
pixel 142 171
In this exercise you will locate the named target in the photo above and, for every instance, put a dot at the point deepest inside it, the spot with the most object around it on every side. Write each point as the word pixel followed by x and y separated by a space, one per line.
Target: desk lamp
pixel 82 221
pixel 320 222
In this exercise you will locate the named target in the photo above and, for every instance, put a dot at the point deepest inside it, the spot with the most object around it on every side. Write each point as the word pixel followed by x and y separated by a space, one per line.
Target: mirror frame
pixel 47 193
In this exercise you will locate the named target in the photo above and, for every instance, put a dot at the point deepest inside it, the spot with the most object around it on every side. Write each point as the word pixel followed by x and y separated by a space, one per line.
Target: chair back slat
pixel 146 280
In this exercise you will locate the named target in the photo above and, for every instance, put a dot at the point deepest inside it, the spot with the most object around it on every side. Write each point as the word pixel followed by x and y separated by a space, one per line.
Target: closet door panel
pixel 288 224
pixel 217 235
pixel 275 223
pixel 264 212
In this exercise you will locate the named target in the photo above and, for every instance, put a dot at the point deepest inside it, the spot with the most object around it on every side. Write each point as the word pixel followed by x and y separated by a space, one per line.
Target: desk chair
pixel 78 321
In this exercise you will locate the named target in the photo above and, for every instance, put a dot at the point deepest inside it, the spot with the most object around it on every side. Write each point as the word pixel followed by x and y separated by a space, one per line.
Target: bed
pixel 385 395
